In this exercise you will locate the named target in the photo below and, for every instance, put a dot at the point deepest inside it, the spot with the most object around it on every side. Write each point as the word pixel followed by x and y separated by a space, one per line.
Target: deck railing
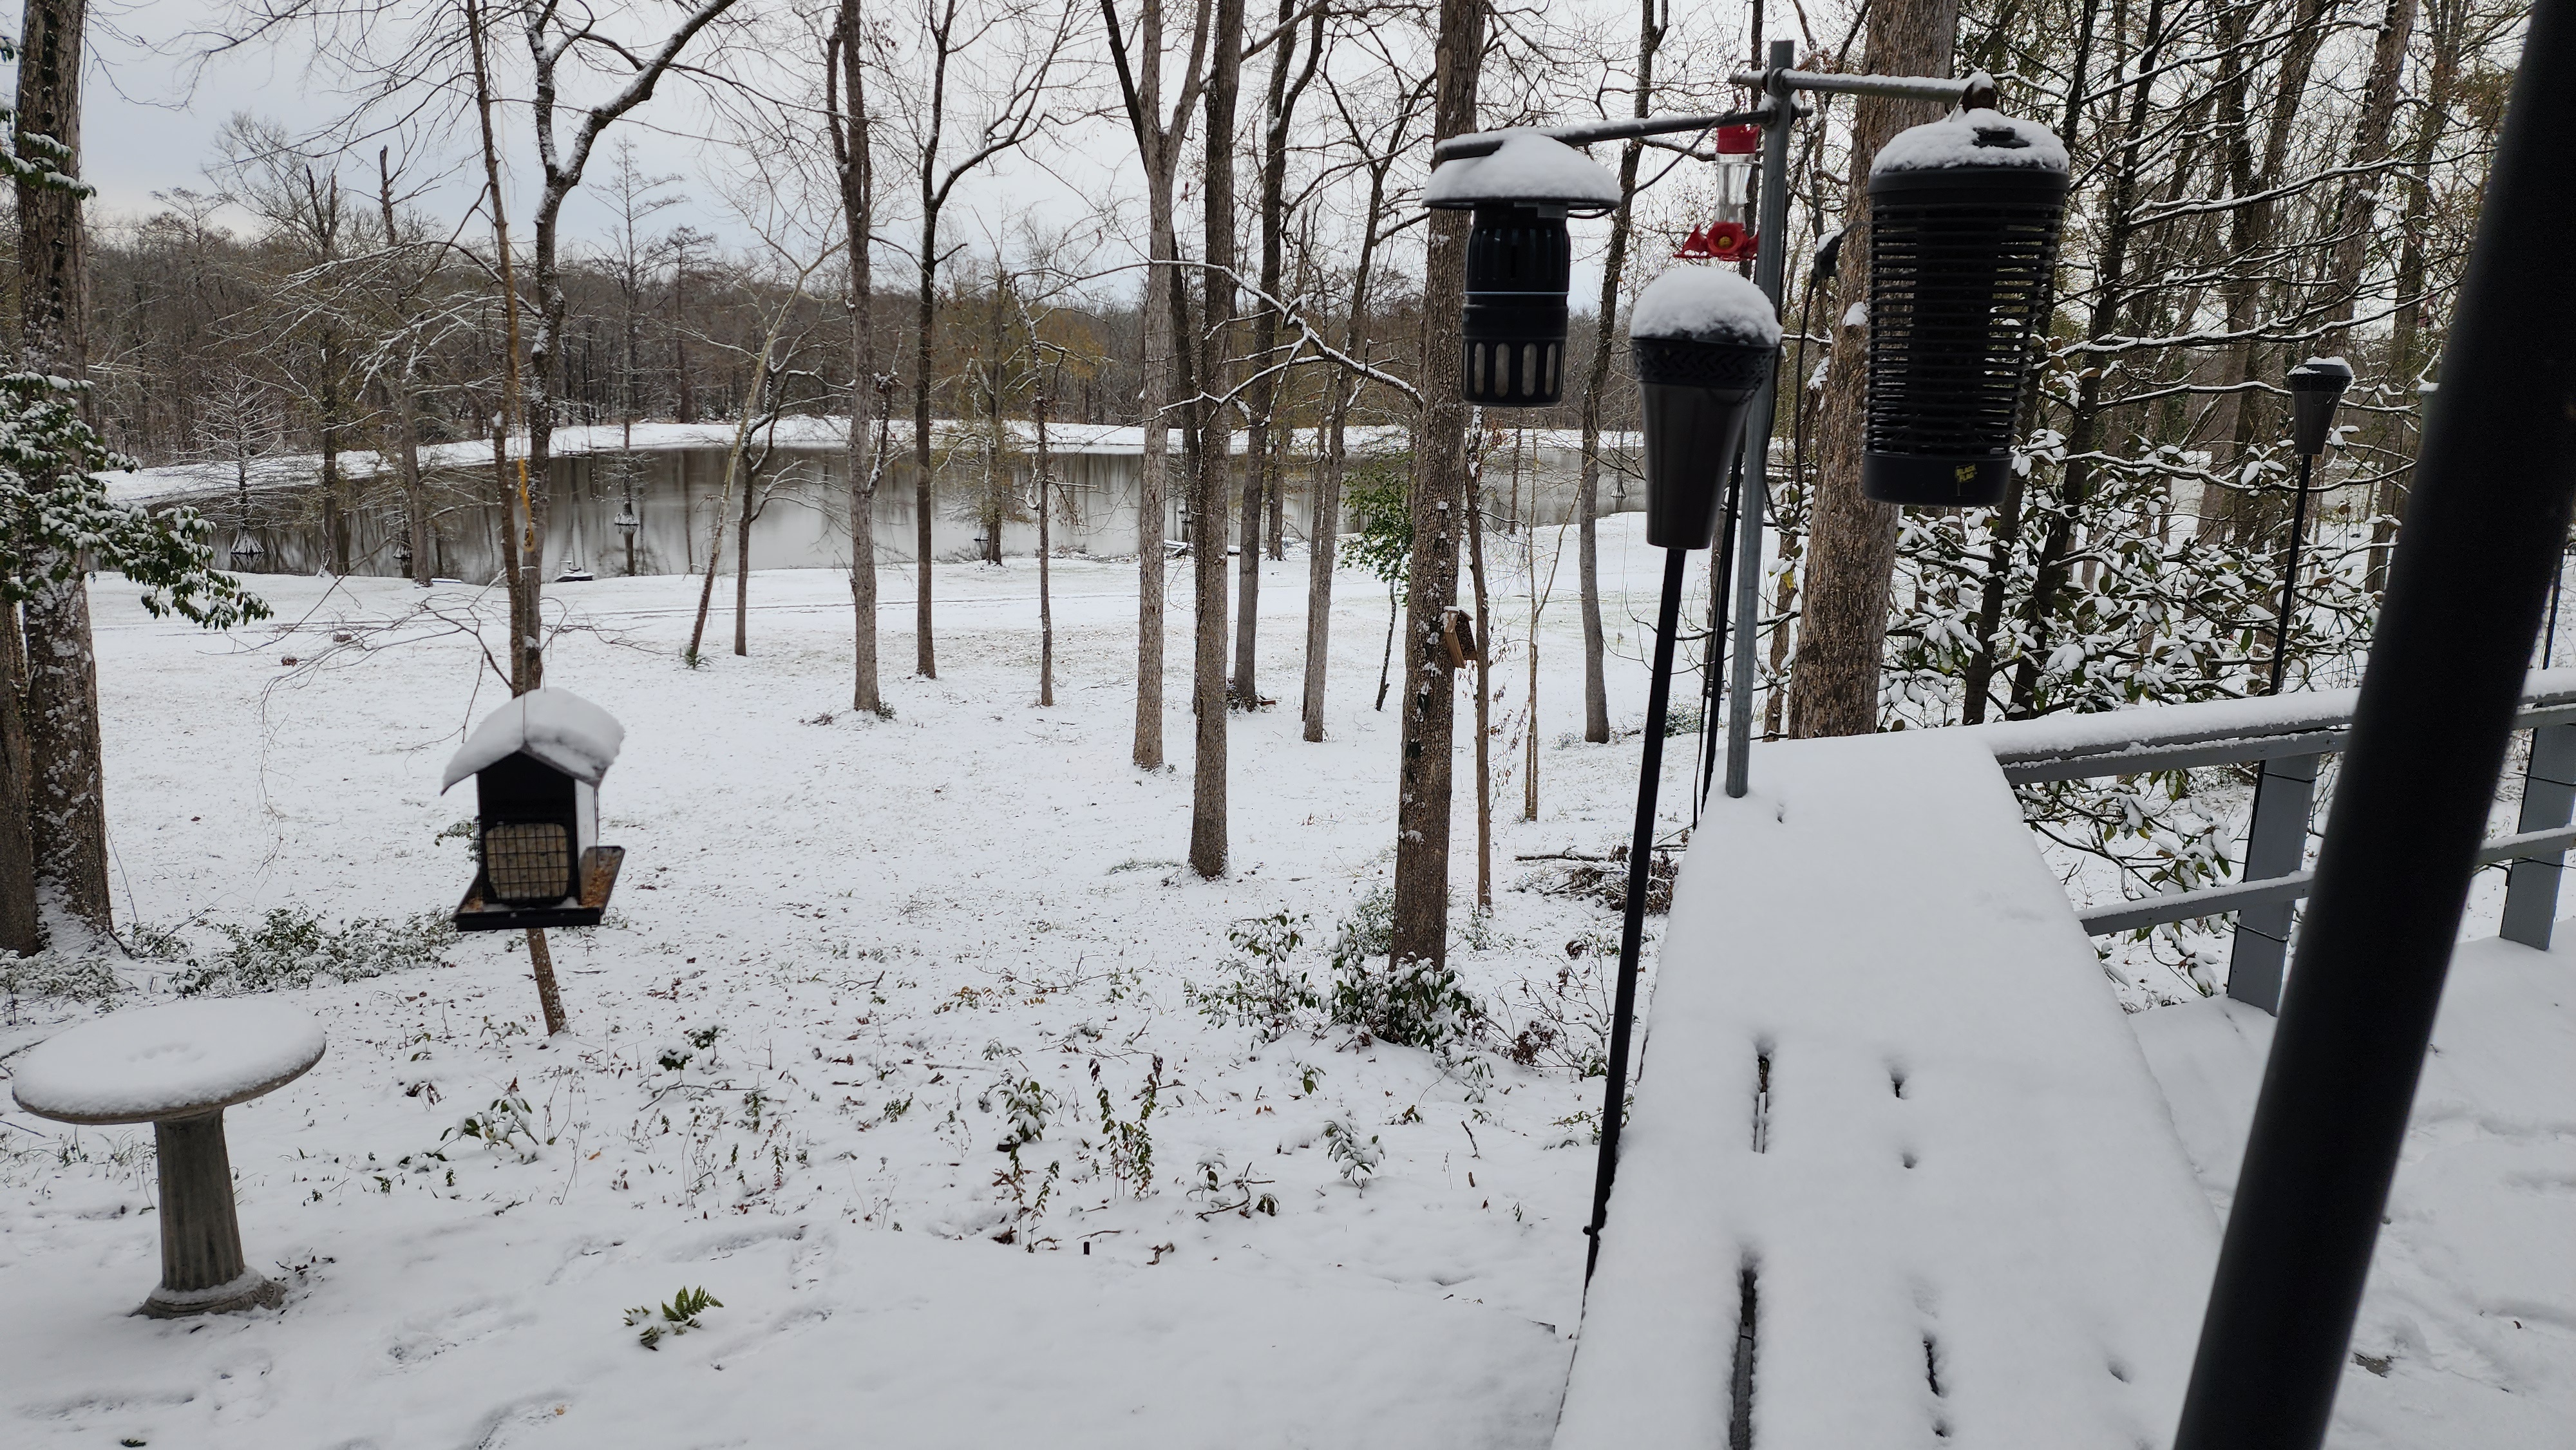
pixel 2291 735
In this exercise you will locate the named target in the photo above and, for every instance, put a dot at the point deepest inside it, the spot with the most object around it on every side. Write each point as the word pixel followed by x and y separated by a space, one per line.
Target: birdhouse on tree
pixel 537 763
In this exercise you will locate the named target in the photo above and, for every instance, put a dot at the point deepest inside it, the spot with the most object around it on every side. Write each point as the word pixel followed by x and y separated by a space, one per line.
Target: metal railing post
pixel 1769 267
pixel 2548 798
pixel 2276 844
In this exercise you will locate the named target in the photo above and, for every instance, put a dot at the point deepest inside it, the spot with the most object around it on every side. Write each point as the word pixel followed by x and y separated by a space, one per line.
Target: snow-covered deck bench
pixel 1896 1172
pixel 178 1066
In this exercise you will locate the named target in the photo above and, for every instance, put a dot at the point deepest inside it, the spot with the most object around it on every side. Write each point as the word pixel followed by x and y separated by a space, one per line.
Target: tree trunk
pixel 2407 360
pixel 742 567
pixel 1587 506
pixel 926 300
pixel 1851 547
pixel 18 926
pixel 2358 210
pixel 1422 810
pixel 67 821
pixel 1325 528
pixel 854 167
pixel 1208 500
pixel 1046 601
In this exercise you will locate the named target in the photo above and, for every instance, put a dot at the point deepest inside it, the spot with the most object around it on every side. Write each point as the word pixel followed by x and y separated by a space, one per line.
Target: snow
pixel 556 726
pixel 1968 138
pixel 885 917
pixel 1529 168
pixel 2110 733
pixel 1961 1144
pixel 2470 1317
pixel 166 1061
pixel 1707 304
pixel 866 908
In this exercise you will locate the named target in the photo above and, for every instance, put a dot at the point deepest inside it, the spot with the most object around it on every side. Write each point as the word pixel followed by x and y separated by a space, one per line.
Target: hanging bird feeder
pixel 1519 261
pixel 537 763
pixel 626 522
pixel 1704 340
pixel 1964 215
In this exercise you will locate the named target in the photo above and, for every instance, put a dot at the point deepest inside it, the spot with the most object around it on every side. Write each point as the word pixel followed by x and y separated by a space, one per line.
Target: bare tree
pixel 1851 558
pixel 1653 18
pixel 846 121
pixel 1208 695
pixel 1422 809
pixel 1000 56
pixel 1158 145
pixel 1261 392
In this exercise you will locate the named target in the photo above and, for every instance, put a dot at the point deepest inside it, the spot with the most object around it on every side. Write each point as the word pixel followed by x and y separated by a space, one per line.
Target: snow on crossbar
pixel 1886 1098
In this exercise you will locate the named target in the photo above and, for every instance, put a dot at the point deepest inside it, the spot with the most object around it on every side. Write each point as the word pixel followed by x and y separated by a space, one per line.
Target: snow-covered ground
pixel 892 923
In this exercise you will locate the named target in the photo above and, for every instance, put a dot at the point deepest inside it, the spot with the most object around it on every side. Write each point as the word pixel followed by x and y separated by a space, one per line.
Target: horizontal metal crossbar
pixel 2222 732
pixel 2236 895
pixel 1486 143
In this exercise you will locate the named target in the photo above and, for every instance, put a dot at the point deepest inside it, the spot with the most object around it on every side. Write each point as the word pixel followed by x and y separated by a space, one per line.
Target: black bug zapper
pixel 1964 215
pixel 1519 262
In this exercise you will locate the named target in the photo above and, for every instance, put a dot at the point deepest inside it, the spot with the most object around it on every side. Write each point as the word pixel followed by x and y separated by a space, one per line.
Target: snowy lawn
pixel 842 952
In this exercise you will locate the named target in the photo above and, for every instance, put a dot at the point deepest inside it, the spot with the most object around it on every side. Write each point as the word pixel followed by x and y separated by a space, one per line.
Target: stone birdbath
pixel 178 1066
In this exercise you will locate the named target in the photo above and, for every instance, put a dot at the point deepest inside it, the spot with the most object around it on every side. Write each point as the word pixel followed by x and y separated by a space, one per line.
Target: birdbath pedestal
pixel 177 1067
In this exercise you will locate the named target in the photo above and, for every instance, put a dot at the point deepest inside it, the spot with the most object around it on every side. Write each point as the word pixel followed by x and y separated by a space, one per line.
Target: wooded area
pixel 2256 181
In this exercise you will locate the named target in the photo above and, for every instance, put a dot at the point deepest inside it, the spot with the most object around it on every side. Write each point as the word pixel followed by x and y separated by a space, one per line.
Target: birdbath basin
pixel 178 1066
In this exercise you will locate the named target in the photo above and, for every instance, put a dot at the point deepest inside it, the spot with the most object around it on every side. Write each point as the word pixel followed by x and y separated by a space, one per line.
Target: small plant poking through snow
pixel 675 1318
pixel 1263 994
pixel 502 1127
pixel 1410 1003
pixel 1128 1146
pixel 1358 1158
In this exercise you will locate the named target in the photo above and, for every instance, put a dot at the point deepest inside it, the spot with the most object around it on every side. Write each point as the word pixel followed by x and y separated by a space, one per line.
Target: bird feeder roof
pixel 1972 140
pixel 2324 371
pixel 556 727
pixel 175 1060
pixel 1705 304
pixel 1529 169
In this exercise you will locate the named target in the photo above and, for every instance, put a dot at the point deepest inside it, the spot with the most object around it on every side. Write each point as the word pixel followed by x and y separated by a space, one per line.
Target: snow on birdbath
pixel 178 1066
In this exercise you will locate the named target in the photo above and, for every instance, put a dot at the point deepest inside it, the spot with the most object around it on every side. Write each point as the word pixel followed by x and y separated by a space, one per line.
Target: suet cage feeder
pixel 1519 262
pixel 537 763
pixel 1964 220
pixel 1705 342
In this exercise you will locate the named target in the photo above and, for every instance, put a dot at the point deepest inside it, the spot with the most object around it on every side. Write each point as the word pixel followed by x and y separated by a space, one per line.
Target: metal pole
pixel 1632 927
pixel 1755 491
pixel 1721 591
pixel 2290 578
pixel 2484 525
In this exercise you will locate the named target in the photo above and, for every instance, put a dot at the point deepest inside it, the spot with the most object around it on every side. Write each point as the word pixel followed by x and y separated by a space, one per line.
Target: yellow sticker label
pixel 1965 473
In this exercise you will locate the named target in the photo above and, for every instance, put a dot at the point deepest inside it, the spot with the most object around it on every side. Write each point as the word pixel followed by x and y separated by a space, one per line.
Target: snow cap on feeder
pixel 1519 262
pixel 537 763
pixel 1964 217
pixel 1704 340
pixel 2316 387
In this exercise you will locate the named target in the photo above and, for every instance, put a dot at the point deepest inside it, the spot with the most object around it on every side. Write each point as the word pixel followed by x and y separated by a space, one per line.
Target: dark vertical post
pixel 2276 844
pixel 2548 794
pixel 2290 577
pixel 1632 927
pixel 2484 525
pixel 1754 491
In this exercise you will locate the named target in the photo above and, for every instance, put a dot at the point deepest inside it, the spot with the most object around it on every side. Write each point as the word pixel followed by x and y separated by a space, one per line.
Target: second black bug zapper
pixel 1964 218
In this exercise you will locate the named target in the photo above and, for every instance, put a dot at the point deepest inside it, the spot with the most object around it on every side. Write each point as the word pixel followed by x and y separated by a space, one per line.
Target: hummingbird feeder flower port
pixel 537 763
